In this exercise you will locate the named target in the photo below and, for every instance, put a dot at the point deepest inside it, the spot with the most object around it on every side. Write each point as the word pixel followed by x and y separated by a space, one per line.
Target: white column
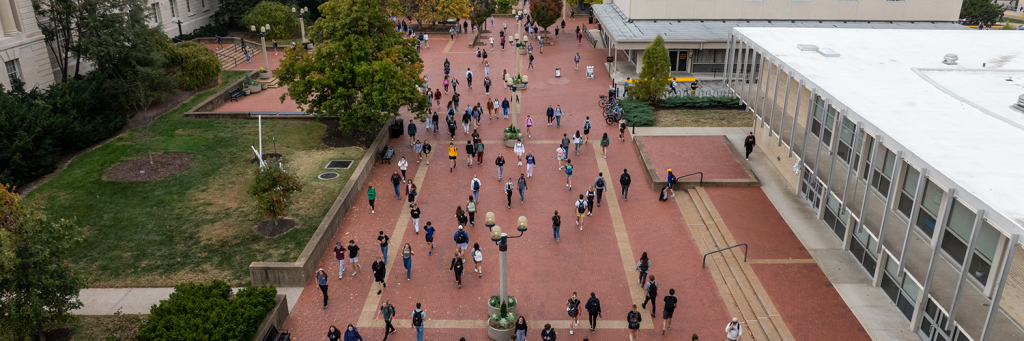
pixel 7 18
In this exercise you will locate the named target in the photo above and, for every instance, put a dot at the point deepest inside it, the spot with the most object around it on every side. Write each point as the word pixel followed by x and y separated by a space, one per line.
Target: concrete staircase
pixel 232 55
pixel 271 83
pixel 744 296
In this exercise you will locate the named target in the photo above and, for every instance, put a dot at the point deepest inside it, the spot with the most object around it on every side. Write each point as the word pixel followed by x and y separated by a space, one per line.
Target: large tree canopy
pixel 974 11
pixel 362 71
pixel 545 12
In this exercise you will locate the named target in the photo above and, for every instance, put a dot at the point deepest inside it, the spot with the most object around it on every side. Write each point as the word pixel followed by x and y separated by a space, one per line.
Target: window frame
pixel 878 171
pixel 843 144
pixel 15 73
pixel 174 10
pixel 156 13
pixel 828 115
pixel 908 197
pixel 923 211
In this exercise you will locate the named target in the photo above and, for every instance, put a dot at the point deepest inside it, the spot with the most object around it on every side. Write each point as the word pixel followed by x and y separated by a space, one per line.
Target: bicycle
pixel 612 115
pixel 606 103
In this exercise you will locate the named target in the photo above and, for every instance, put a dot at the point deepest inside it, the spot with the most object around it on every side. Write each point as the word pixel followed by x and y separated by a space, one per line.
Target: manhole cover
pixel 328 176
pixel 339 164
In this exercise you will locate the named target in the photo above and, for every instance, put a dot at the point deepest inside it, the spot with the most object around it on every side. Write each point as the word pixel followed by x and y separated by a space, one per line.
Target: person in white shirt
pixel 426 41
pixel 403 166
pixel 733 330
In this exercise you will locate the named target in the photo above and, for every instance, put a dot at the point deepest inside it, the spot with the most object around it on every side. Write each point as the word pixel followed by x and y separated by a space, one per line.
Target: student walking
pixel 415 214
pixel 412 132
pixel 590 200
pixel 352 334
pixel 622 129
pixel 384 242
pixel 551 114
pixel 457 268
pixel 353 256
pixel 568 173
pixel 403 165
pixel 593 307
pixel 411 193
pixel 418 148
pixel 558 116
pixel 478 257
pixel 500 163
pixel 668 309
pixel 671 183
pixel 530 163
pixel 475 186
pixel 470 148
pixel 633 318
pixel 452 152
pixel 519 149
pixel 565 142
pixel 733 330
pixel 333 334
pixel 395 180
pixel 529 124
pixel 509 188
pixel 426 144
pixel 388 311
pixel 321 280
pixel 504 106
pixel 573 309
pixel 599 184
pixel 471 210
pixel 642 267
pixel 581 210
pixel 379 267
pixel 586 130
pixel 651 288
pixel 460 216
pixel 575 59
pixel 521 185
pixel 461 238
pixel 748 144
pixel 429 229
pixel 624 181
pixel 556 225
pixel 407 261
pixel 371 195
pixel 548 334
pixel 417 321
pixel 577 140
pixel 339 254
pixel 604 145
pixel 437 100
pixel 521 328
pixel 560 153
pixel 479 152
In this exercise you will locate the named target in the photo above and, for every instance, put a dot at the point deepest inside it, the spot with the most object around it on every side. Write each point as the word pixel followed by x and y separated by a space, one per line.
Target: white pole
pixel 259 119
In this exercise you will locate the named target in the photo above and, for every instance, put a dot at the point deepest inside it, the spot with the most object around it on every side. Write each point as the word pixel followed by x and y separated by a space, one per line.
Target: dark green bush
pixel 197 65
pixel 210 30
pixel 208 312
pixel 694 102
pixel 38 127
pixel 637 113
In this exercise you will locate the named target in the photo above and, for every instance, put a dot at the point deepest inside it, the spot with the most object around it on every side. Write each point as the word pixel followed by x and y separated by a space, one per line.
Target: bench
pixel 236 93
pixel 385 154
pixel 277 335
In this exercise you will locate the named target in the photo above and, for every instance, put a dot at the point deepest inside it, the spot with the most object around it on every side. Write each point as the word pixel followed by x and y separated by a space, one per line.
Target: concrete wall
pixel 864 10
pixel 275 317
pixel 191 20
pixel 292 274
pixel 27 47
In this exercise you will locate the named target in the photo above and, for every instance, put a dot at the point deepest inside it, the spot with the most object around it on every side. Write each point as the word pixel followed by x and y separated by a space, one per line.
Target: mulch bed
pixel 140 168
pixel 336 138
pixel 267 228
pixel 58 334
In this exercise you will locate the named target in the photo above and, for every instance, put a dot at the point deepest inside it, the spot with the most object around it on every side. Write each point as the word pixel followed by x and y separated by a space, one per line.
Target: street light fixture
pixel 501 240
pixel 263 41
pixel 302 23
pixel 179 22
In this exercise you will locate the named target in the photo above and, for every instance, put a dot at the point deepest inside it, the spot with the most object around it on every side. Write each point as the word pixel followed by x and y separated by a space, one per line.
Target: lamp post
pixel 302 23
pixel 501 239
pixel 179 22
pixel 263 41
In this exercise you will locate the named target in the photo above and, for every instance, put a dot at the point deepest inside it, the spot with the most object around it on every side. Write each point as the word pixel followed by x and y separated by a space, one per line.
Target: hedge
pixel 694 102
pixel 210 30
pixel 638 113
pixel 208 312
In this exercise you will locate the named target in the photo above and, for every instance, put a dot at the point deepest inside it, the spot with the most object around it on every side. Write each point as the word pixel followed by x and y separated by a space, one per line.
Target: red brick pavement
pixel 752 219
pixel 689 154
pixel 811 307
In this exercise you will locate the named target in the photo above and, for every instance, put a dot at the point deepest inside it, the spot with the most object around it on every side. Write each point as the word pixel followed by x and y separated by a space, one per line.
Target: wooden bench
pixel 277 335
pixel 385 154
pixel 236 93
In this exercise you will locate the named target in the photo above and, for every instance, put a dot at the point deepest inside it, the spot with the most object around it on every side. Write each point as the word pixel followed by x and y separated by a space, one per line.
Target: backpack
pixel 478 256
pixel 634 320
pixel 581 206
pixel 568 169
pixel 653 290
pixel 417 318
pixel 557 221
pixel 485 54
pixel 462 237
pixel 645 265
pixel 476 185
pixel 600 182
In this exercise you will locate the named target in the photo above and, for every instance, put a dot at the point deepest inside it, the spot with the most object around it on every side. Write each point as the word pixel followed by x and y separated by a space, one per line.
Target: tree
pixel 60 21
pixel 545 12
pixel 197 312
pixel 233 10
pixel 197 66
pixel 482 9
pixel 505 6
pixel 453 9
pixel 37 288
pixel 654 74
pixel 283 23
pixel 272 188
pixel 974 11
pixel 362 71
pixel 588 2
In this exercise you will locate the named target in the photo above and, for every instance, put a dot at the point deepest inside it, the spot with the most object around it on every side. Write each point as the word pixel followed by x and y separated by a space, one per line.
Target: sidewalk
pixel 139 300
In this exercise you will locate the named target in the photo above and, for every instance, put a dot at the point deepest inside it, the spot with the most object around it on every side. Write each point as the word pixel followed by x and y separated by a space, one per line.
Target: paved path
pixel 107 301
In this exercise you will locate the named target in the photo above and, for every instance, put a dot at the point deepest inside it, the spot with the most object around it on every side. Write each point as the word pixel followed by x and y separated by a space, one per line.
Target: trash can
pixel 396 128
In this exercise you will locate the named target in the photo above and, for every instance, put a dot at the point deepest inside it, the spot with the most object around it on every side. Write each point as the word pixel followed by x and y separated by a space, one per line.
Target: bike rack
pixel 745 249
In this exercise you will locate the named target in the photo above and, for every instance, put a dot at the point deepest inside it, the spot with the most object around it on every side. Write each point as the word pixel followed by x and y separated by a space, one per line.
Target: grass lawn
pixel 702 118
pixel 195 225
pixel 97 327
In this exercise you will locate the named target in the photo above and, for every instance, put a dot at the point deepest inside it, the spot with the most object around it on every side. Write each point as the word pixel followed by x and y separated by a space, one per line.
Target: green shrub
pixel 283 24
pixel 694 102
pixel 209 30
pixel 198 66
pixel 208 312
pixel 505 6
pixel 638 113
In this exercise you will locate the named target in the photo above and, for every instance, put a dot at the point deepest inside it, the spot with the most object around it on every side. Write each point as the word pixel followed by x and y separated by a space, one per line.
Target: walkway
pixel 107 301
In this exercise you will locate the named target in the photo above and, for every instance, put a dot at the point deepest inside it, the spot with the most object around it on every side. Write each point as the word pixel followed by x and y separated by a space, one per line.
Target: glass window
pixel 156 12
pixel 891 265
pixel 174 9
pixel 909 190
pixel 911 288
pixel 988 240
pixel 961 220
pixel 823 117
pixel 932 197
pixel 884 165
pixel 12 70
pixel 869 146
pixel 188 6
pixel 844 149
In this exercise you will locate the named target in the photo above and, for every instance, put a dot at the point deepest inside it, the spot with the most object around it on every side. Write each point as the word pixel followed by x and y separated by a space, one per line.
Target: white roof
pixel 955 118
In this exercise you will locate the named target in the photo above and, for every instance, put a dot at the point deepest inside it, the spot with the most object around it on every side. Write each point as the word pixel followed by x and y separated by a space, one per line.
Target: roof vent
pixel 807 47
pixel 949 59
pixel 1020 103
pixel 827 52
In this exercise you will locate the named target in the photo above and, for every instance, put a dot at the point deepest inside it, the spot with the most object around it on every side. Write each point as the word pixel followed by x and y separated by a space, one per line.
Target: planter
pixel 255 88
pixel 513 309
pixel 263 86
pixel 510 144
pixel 522 51
pixel 265 75
pixel 520 86
pixel 500 334
pixel 247 92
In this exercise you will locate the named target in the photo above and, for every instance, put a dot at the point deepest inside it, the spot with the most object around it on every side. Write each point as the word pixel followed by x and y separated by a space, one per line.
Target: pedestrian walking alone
pixel 586 130
pixel 339 254
pixel 519 149
pixel 733 330
pixel 403 165
pixel 573 309
pixel 593 307
pixel 521 185
pixel 604 145
pixel 384 241
pixel 411 193
pixel 599 186
pixel 321 280
pixel 475 186
pixel 379 267
pixel 452 152
pixel 460 216
pixel 415 214
pixel 568 173
pixel 333 334
pixel 407 261
pixel 622 129
pixel 624 181
pixel 590 200
pixel 388 311
pixel 395 180
pixel 478 257
pixel 651 289
pixel 556 225
pixel 417 321
pixel 353 256
pixel 352 334
pixel 427 148
pixel 429 236
pixel 642 267
pixel 581 210
pixel 748 144
pixel 529 124
pixel 577 140
pixel 633 318
pixel 671 183
pixel 530 163
pixel 548 334
pixel 461 238
pixel 500 163
pixel 667 310
pixel 558 116
pixel 471 210
pixel 470 148
pixel 371 195
pixel 560 153
pixel 521 328
pixel 457 268
pixel 509 188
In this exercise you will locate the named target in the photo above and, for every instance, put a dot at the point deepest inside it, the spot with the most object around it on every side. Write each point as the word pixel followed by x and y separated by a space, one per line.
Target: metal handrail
pixel 694 173
pixel 745 249
pixel 590 37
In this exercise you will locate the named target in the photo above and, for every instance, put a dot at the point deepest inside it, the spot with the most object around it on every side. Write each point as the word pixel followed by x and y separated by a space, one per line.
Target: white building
pixel 909 145
pixel 25 54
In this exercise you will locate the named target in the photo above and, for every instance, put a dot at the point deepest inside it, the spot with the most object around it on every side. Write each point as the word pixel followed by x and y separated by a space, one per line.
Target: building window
pixel 863 247
pixel 823 117
pixel 884 164
pixel 929 208
pixel 12 70
pixel 174 9
pixel 960 224
pixel 188 6
pixel 203 3
pixel 900 288
pixel 836 215
pixel 156 12
pixel 869 146
pixel 984 253
pixel 844 150
pixel 909 190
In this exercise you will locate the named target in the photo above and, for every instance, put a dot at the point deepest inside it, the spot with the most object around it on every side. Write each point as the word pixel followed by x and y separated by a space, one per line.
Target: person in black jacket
pixel 333 334
pixel 624 180
pixel 395 180
pixel 457 267
pixel 593 307
pixel 749 144
pixel 633 318
pixel 378 268
pixel 548 334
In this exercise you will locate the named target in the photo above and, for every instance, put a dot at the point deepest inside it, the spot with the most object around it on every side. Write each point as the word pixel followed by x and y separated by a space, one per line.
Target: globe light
pixel 489 220
pixel 522 224
pixel 496 233
pixel 252 28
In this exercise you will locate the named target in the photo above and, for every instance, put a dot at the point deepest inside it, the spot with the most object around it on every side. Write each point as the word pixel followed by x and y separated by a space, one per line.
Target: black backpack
pixel 476 185
pixel 581 207
pixel 462 237
pixel 600 182
pixel 634 320
pixel 653 291
pixel 417 318
pixel 645 265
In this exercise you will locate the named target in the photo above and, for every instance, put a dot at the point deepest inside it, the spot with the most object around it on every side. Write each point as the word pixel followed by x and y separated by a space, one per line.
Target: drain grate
pixel 339 164
pixel 328 176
